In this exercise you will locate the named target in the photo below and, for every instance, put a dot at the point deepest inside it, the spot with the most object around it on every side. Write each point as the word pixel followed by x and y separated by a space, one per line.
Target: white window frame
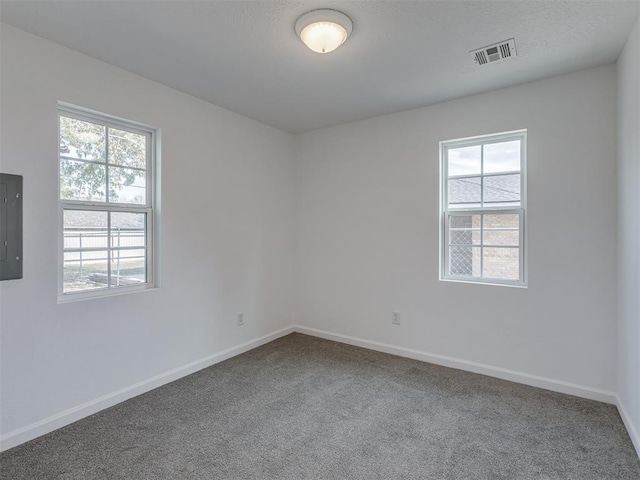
pixel 446 213
pixel 153 135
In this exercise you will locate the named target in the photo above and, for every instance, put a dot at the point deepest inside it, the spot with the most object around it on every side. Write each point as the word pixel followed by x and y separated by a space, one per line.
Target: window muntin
pixel 483 209
pixel 106 204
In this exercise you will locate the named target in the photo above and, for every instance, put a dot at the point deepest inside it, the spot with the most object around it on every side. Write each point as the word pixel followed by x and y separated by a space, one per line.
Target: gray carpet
pixel 305 408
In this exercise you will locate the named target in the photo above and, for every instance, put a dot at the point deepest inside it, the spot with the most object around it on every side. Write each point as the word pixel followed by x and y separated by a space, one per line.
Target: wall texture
pixel 226 233
pixel 629 232
pixel 367 197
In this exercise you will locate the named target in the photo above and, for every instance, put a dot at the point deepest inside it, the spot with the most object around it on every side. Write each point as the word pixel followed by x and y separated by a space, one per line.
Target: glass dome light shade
pixel 323 30
pixel 323 37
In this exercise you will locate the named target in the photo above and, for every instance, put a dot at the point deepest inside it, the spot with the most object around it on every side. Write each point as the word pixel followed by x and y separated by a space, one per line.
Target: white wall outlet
pixel 240 319
pixel 395 318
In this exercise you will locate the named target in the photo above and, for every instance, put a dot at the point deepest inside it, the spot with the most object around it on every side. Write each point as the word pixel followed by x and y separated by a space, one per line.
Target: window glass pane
pixel 464 229
pixel 127 149
pixel 464 261
pixel 464 191
pixel 128 267
pixel 128 229
pixel 84 229
pixel 82 140
pixel 501 229
pixel 502 237
pixel 82 181
pixel 501 263
pixel 85 271
pixel 501 220
pixel 464 161
pixel 127 186
pixel 502 157
pixel 501 188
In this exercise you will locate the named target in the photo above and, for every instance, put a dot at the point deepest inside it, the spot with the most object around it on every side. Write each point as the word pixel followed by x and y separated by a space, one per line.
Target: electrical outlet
pixel 395 318
pixel 240 319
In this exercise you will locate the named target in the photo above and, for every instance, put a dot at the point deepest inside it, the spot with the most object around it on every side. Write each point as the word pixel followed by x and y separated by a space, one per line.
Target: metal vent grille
pixel 481 58
pixel 505 50
pixel 494 53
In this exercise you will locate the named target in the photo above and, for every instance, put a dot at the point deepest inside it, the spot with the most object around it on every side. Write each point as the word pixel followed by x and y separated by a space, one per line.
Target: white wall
pixel 227 223
pixel 629 232
pixel 367 233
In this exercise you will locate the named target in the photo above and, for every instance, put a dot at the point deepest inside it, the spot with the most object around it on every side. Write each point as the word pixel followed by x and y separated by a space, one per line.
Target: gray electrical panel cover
pixel 10 226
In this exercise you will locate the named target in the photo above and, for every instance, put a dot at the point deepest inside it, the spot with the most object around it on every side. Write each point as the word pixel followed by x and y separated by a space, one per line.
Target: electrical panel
pixel 10 226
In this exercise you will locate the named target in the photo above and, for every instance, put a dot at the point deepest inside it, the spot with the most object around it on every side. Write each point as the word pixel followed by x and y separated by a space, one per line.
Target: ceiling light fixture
pixel 324 30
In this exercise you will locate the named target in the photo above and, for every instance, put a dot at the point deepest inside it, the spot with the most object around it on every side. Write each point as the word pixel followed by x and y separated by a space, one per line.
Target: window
pixel 483 209
pixel 106 200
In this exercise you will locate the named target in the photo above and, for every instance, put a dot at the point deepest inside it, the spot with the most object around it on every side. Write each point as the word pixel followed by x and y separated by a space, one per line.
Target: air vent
pixel 494 53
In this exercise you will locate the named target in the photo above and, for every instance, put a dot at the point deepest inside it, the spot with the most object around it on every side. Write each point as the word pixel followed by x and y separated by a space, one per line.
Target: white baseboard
pixel 489 370
pixel 36 429
pixel 633 432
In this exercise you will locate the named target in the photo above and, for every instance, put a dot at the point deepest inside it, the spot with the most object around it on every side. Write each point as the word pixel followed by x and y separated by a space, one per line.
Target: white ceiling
pixel 245 56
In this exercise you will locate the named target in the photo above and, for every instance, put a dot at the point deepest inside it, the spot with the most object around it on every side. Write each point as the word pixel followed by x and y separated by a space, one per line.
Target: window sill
pixel 112 292
pixel 492 283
